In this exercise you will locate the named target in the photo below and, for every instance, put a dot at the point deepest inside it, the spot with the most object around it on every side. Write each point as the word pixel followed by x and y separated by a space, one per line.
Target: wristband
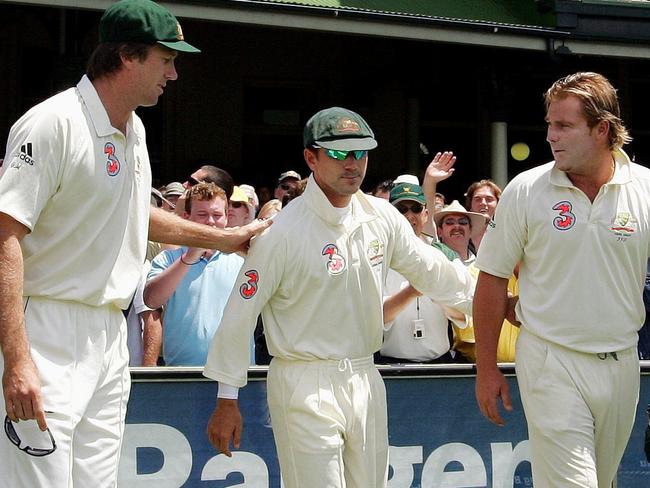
pixel 227 391
pixel 189 264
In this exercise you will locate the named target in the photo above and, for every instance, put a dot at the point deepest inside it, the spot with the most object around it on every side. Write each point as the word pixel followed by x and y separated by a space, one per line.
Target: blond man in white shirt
pixel 579 227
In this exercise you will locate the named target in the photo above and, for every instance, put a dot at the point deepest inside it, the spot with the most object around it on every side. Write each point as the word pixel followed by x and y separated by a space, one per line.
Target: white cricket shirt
pixel 583 264
pixel 318 282
pixel 82 189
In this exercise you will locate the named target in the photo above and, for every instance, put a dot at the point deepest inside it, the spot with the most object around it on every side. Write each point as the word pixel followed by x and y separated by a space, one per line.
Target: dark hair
pixel 294 192
pixel 386 185
pixel 107 57
pixel 219 177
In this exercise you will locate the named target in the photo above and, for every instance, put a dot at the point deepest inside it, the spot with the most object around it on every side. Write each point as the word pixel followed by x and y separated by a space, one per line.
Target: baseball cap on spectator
pixel 411 179
pixel 240 197
pixel 289 174
pixel 338 129
pixel 407 191
pixel 476 219
pixel 172 189
pixel 252 196
pixel 142 21
pixel 157 198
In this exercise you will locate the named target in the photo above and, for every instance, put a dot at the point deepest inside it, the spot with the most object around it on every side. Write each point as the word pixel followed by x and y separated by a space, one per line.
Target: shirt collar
pixel 622 171
pixel 97 111
pixel 362 210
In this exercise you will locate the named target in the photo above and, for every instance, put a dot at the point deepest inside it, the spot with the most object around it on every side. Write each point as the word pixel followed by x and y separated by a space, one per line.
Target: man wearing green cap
pixel 74 218
pixel 317 279
pixel 415 327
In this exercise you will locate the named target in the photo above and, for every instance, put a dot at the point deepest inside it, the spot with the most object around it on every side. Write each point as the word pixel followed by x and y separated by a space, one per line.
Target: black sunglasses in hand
pixel 32 451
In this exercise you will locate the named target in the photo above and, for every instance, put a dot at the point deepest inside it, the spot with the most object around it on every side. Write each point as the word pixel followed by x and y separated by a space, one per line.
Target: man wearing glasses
pixel 317 279
pixel 454 225
pixel 415 327
pixel 287 182
pixel 74 219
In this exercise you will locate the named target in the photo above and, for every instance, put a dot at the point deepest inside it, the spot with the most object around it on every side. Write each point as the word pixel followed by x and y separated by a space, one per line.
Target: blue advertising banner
pixel 437 435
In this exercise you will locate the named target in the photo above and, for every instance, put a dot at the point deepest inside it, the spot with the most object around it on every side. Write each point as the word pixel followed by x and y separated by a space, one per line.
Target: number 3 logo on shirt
pixel 566 219
pixel 112 163
pixel 247 290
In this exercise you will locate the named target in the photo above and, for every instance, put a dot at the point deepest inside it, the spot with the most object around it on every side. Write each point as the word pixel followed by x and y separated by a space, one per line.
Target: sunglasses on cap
pixel 343 155
pixel 32 451
pixel 416 208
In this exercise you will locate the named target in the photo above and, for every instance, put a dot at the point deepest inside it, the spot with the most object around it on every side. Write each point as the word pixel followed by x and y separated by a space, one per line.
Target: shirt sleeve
pixel 138 298
pixel 163 261
pixel 502 247
pixel 31 172
pixel 259 278
pixel 428 269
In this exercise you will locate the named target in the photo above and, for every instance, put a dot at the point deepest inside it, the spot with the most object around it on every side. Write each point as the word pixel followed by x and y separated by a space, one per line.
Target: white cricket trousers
pixel 330 423
pixel 82 359
pixel 580 411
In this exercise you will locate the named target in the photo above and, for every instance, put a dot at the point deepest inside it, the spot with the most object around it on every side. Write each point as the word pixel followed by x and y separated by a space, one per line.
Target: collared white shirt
pixel 583 264
pixel 83 190
pixel 318 282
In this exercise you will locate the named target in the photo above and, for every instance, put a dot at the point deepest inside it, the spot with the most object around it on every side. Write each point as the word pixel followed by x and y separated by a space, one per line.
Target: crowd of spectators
pixel 175 327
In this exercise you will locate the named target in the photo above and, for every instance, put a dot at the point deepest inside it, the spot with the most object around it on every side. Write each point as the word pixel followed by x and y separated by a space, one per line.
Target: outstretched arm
pixel 170 229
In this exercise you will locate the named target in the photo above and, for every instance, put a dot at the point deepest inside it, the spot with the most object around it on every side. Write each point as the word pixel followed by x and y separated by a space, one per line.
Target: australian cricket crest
pixel 375 252
pixel 623 225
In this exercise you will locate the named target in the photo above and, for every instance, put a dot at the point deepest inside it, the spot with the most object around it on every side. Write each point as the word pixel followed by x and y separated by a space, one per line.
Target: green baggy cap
pixel 407 191
pixel 142 21
pixel 340 129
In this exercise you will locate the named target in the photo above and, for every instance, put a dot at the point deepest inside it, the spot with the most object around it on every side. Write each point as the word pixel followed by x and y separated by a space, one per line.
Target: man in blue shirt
pixel 192 284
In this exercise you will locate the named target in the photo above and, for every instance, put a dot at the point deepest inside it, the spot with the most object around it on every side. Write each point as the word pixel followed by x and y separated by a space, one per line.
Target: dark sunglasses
pixel 32 451
pixel 285 187
pixel 237 204
pixel 191 181
pixel 416 208
pixel 343 155
pixel 460 221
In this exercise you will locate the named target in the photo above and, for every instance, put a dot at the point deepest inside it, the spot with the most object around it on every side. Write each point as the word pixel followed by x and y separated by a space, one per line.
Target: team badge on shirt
pixel 335 262
pixel 249 289
pixel 623 225
pixel 565 219
pixel 375 252
pixel 112 163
